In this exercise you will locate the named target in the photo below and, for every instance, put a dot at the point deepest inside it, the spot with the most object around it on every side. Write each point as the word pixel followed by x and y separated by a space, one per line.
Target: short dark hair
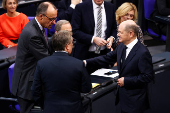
pixel 132 27
pixel 42 8
pixel 60 23
pixel 60 40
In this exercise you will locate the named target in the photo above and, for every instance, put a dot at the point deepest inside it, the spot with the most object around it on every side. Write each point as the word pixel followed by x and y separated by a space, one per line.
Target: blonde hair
pixel 124 9
pixel 4 3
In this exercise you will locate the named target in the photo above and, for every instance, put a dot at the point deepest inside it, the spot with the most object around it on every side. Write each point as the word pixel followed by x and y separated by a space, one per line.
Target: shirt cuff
pixel 85 63
pixel 113 39
pixel 72 6
pixel 92 39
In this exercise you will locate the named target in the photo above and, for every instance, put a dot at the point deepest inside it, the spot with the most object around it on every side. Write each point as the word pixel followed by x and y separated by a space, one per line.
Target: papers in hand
pixel 101 72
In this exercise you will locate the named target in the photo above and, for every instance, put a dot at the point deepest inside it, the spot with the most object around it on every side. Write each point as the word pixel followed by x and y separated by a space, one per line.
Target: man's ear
pixel 67 47
pixel 131 34
pixel 40 16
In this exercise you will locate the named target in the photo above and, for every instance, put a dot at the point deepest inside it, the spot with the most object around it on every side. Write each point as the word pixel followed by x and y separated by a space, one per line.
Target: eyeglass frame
pixel 51 19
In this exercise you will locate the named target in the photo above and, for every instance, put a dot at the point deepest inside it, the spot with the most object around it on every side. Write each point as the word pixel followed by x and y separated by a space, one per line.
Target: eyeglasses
pixel 51 19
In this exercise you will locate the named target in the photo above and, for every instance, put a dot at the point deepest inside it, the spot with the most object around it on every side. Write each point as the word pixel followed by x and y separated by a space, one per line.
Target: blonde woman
pixel 127 11
pixel 11 23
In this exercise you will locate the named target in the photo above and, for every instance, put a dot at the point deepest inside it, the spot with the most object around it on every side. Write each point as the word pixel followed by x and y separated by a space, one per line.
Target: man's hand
pixel 110 41
pixel 99 41
pixel 120 81
pixel 75 2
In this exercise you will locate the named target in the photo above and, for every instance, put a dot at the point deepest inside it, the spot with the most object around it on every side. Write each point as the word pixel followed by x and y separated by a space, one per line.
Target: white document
pixel 101 72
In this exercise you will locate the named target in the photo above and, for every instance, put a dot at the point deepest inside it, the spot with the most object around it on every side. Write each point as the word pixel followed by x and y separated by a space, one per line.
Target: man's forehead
pixel 66 26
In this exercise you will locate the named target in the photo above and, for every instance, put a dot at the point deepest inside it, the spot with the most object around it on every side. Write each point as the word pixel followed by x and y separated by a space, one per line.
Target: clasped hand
pixel 101 42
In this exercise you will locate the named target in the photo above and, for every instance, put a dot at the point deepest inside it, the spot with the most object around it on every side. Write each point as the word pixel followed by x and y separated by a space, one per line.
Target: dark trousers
pixel 25 105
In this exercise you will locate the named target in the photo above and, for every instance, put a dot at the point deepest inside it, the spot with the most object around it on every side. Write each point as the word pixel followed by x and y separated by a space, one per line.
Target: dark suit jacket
pixel 83 26
pixel 62 78
pixel 137 72
pixel 31 47
pixel 64 10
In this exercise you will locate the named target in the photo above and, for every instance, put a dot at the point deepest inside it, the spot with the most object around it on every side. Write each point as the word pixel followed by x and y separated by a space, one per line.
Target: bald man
pixel 32 46
pixel 135 69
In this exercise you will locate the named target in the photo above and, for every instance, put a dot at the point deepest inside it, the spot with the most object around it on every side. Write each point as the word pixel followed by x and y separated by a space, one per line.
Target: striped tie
pixel 99 28
pixel 44 33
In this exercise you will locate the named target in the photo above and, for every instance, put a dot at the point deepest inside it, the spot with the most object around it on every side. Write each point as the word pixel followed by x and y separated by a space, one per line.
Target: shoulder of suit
pixel 109 4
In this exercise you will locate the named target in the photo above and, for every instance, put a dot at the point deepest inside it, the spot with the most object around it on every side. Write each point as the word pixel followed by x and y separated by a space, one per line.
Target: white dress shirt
pixel 39 25
pixel 104 25
pixel 130 46
pixel 73 6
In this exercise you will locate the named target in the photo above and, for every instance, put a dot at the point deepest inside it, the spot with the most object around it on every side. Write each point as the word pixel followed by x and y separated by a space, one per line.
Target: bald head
pixel 130 25
pixel 46 14
pixel 127 32
pixel 44 7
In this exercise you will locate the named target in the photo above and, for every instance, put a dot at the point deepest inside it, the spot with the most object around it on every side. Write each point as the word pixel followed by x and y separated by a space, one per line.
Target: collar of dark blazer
pixel 131 55
pixel 40 33
pixel 62 53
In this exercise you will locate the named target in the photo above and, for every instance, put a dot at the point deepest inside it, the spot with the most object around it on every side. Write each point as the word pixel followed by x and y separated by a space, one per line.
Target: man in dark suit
pixel 61 77
pixel 86 21
pixel 134 66
pixel 32 46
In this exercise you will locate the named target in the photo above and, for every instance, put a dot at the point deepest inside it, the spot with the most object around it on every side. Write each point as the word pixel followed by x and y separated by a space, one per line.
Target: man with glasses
pixel 32 46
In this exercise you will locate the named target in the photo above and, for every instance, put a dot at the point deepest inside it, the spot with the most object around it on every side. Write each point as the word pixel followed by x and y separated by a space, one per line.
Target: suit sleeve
pixel 37 87
pixel 162 7
pixel 114 25
pixel 64 12
pixel 37 48
pixel 146 73
pixel 86 81
pixel 76 23
pixel 102 61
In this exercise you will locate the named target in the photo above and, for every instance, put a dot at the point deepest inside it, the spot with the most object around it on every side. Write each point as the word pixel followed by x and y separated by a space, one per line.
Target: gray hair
pixel 60 23
pixel 60 40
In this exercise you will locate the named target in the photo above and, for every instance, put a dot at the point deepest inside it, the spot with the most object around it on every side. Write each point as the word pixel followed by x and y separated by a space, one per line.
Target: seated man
pixel 61 77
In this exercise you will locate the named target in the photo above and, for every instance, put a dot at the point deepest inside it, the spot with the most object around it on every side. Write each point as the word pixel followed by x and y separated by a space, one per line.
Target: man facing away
pixel 134 67
pixel 59 79
pixel 32 46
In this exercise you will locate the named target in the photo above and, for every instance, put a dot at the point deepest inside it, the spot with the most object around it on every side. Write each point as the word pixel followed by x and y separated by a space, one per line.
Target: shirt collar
pixel 62 51
pixel 130 45
pixel 95 6
pixel 39 24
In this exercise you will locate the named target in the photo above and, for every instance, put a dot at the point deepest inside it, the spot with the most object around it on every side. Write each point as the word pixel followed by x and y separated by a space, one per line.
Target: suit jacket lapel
pixel 131 54
pixel 40 33
pixel 119 54
pixel 90 13
pixel 107 11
